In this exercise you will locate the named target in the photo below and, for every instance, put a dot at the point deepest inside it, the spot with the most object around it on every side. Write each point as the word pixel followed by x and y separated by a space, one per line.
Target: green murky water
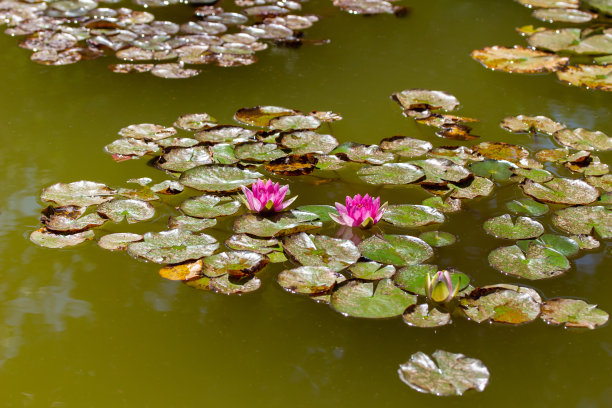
pixel 85 327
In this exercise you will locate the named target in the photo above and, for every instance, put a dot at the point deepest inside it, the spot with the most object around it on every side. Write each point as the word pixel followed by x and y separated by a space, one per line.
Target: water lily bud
pixel 439 288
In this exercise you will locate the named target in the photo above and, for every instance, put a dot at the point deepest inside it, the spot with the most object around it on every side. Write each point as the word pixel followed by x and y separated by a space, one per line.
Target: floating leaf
pixel 371 270
pixel 440 171
pixel 568 15
pixel 362 299
pixel 438 239
pixel 195 121
pixel 478 187
pixel 261 115
pixel 522 123
pixel 589 76
pixel 391 173
pixel 234 263
pixel 284 223
pixel 504 227
pixel 582 139
pixel 305 141
pixel 48 239
pixel 147 131
pixel 561 191
pixel 223 153
pixel 258 152
pixel 573 313
pixel 244 242
pixel 223 284
pixel 309 279
pixel 80 193
pixel 173 246
pixel 537 175
pixel 414 278
pixel 118 241
pixel 422 316
pixel 182 272
pixel 360 153
pixel 551 3
pixel 527 206
pixel 497 169
pixel 322 211
pixel 295 122
pixel 331 162
pixel 537 262
pixel 177 142
pixel 320 250
pixel 184 222
pixel 501 151
pixel 422 98
pixel 69 219
pixel 583 220
pixel 585 241
pixel 412 216
pixel 173 71
pixel 368 7
pixel 218 178
pixel 225 134
pixel 502 303
pixel 564 245
pixel 447 205
pixel 396 249
pixel 518 59
pixel 168 187
pixel 131 210
pixel 602 5
pixel 131 147
pixel 404 146
pixel 293 165
pixel 209 206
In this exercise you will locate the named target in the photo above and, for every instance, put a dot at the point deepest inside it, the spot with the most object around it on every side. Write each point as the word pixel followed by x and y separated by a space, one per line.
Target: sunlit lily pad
pixel 223 284
pixel 586 241
pixel 422 316
pixel 182 272
pixel 209 206
pixel 398 250
pixel 234 263
pixel 373 300
pixel 258 152
pixel 405 146
pixel 502 303
pixel 446 205
pixel 180 159
pixel 568 15
pixel 173 71
pixel 412 216
pixel 131 147
pixel 80 193
pixel 504 227
pixel 49 56
pixel 295 122
pixel 537 175
pixel 527 206
pixel 49 239
pixel 360 153
pixel 501 151
pixel 438 239
pixel 261 115
pixel 322 211
pixel 537 262
pixel 173 246
pixel 562 244
pixel 69 219
pixel 573 313
pixel 218 178
pixel 184 222
pixel 305 141
pixel 371 271
pixel 600 5
pixel 422 98
pixel 604 182
pixel 440 171
pixel 518 59
pixel 320 250
pixel 496 169
pixel 246 243
pixel 414 278
pixel 583 220
pixel 131 210
pixel 147 131
pixel 177 142
pixel 309 279
pixel 391 173
pixel 478 187
pixel 118 241
pixel 523 123
pixel 285 223
pixel 551 3
pixel 450 374
pixel 582 139
pixel 331 162
pixel 366 7
pixel 589 76
pixel 561 191
pixel 195 121
pixel 225 134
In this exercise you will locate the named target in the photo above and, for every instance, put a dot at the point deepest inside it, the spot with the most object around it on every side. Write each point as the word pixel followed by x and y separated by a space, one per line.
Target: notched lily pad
pixel 561 191
pixel 118 241
pixel 278 225
pixel 411 99
pixel 527 206
pixel 518 59
pixel 49 239
pixel 305 141
pixel 80 193
pixel 530 124
pixel 583 220
pixel 131 210
pixel 147 131
pixel 405 146
pixel 398 250
pixel 371 270
pixel 573 313
pixel 582 139
pixel 235 263
pixel 502 303
pixel 412 216
pixel 391 173
pixel 173 246
pixel 438 172
pixel 218 178
pixel 224 285
pixel 438 239
pixel 295 122
pixel 424 316
pixel 209 206
pixel 537 262
pixel 504 227
pixel 360 153
pixel 180 159
pixel 261 115
pixel 309 280
pixel 320 250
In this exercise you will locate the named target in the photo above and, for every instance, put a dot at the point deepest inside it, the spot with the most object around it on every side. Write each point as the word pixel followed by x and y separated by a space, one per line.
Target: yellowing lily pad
pixel 261 115
pixel 589 76
pixel 518 59
pixel 573 313
pixel 502 303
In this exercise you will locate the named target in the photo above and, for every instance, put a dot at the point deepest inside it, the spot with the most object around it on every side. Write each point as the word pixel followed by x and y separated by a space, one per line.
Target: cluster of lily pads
pixel 580 56
pixel 369 273
pixel 64 32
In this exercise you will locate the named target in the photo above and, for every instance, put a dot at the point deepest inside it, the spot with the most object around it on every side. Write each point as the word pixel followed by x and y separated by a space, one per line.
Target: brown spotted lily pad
pixel 424 316
pixel 502 303
pixel 234 263
pixel 583 220
pixel 504 227
pixel 309 279
pixel 589 76
pixel 561 191
pixel 278 225
pixel 173 246
pixel 573 313
pixel 518 59
pixel 79 193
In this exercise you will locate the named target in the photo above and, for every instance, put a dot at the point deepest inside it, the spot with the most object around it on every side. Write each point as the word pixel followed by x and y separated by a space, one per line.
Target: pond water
pixel 84 327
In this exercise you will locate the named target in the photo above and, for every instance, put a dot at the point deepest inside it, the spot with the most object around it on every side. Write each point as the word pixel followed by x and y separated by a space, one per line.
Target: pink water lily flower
pixel 359 211
pixel 266 196
pixel 439 288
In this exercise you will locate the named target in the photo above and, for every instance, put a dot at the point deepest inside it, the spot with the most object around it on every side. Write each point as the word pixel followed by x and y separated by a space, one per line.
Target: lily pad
pixel 589 76
pixel 582 139
pixel 604 182
pixel 527 206
pixel 69 219
pixel 184 222
pixel 504 227
pixel 447 205
pixel 320 250
pixel 244 242
pixel 80 193
pixel 537 175
pixel 131 210
pixel 583 220
pixel 223 284
pixel 305 141
pixel 258 152
pixel 293 165
pixel 496 169
pixel 537 262
pixel 561 191
pixel 218 178
pixel 440 171
pixel 235 263
pixel 281 224
pixel 564 245
pixel 391 173
pixel 404 146
pixel 551 3
pixel 422 98
pixel 131 147
pixel 398 250
pixel 118 241
pixel 502 303
pixel 173 71
pixel 309 279
pixel 518 59
pixel 49 239
pixel 573 313
pixel 371 270
pixel 147 131
pixel 568 15
pixel 412 216
pixel 180 159
pixel 478 187
pixel 601 5
pixel 501 151
pixel 225 134
pixel 322 211
pixel 261 115
pixel 524 124
pixel 195 121
pixel 363 299
pixel 450 374
pixel 173 246
pixel 586 241
pixel 422 316
pixel 360 153
pixel 295 122
pixel 414 278
pixel 209 206
pixel 438 239
pixel 182 272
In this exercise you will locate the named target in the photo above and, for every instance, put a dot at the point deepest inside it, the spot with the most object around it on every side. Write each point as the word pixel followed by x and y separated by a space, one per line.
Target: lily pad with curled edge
pixel 293 165
pixel 258 152
pixel 414 278
pixel 501 151
pixel 195 121
pixel 182 272
pixel 184 222
pixel 405 146
pixel 538 262
pixel 371 299
pixel 602 182
pixel 180 159
pixel 131 210
pixel 582 139
pixel 447 205
pixel 568 15
pixel 537 175
pixel 235 263
pixel 518 59
pixel 496 169
pixel 321 250
pixel 131 147
pixel 306 141
pixel 527 206
pixel 600 5
pixel 583 220
pixel 422 316
pixel 589 76
pixel 295 122
pixel 478 187
pixel 586 241
pixel 322 211
pixel 401 250
pixel 502 303
pixel 590 167
pixel 561 191
pixel 278 225
pixel 173 246
pixel 244 242
pixel 309 280
pixel 209 206
pixel 410 99
pixel 69 218
pixel 456 131
pixel 49 239
pixel 147 131
pixel 440 171
pixel 225 134
pixel 80 193
pixel 573 313
pixel 326 116
pixel 524 124
pixel 550 3
pixel 222 284
pixel 118 241
pixel 391 173
pixel 261 115
pixel 504 227
pixel 412 216
pixel 360 153
pixel 450 374
pixel 371 270
pixel 173 71
pixel 562 244
pixel 218 178
pixel 168 187
pixel 201 283
pixel 438 239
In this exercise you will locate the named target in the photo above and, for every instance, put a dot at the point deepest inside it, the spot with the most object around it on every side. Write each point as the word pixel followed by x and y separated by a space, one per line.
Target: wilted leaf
pixel 410 99
pixel 69 219
pixel 293 165
pixel 589 76
pixel 261 115
pixel 522 123
pixel 182 272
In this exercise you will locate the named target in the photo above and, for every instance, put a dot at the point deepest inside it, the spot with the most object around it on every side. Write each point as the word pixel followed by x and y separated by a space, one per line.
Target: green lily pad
pixel 562 244
pixel 412 216
pixel 537 262
pixel 293 165
pixel 131 210
pixel 118 241
pixel 173 246
pixel 410 99
pixel 168 187
pixel 447 205
pixel 80 193
pixel 504 227
pixel 582 139
pixel 360 153
pixel 404 146
pixel 450 374
pixel 561 191
pixel 371 270
pixel 518 59
pixel 551 3
pixel 414 278
pixel 209 206
pixel 295 122
pixel 225 134
pixel 497 169
pixel 305 141
pixel 537 175
pixel 502 303
pixel 603 182
pixel 261 246
pixel 49 239
pixel 583 220
pixel 258 152
pixel 440 171
pixel 218 178
pixel 223 284
pixel 586 241
pixel 195 121
pixel 180 159
pixel 529 124
pixel 573 313
pixel 184 222
pixel 280 224
pixel 309 280
pixel 223 153
pixel 234 263
pixel 261 115
pixel 391 173
pixel 604 6
pixel 147 131
pixel 363 299
pixel 564 15
pixel 320 250
pixel 589 76
pixel 322 211
pixel 131 147
pixel 69 219
pixel 422 316
pixel 438 239
pixel 401 250
pixel 478 187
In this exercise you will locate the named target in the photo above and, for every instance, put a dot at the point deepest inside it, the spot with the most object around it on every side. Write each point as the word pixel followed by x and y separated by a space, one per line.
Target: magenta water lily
pixel 440 288
pixel 359 211
pixel 266 196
